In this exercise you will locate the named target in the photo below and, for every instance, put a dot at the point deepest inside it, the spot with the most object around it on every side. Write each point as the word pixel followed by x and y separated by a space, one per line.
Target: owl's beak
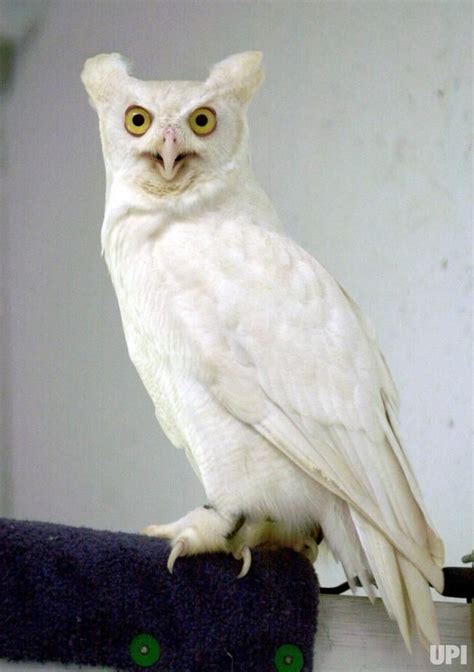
pixel 170 150
pixel 170 155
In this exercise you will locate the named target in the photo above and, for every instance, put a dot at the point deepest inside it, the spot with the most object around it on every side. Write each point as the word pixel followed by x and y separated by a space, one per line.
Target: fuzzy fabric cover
pixel 106 599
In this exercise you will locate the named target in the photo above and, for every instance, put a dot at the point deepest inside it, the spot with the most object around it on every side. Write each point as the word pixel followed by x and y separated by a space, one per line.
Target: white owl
pixel 258 363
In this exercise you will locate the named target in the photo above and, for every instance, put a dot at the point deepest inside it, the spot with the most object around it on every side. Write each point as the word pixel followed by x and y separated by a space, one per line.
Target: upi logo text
pixel 446 653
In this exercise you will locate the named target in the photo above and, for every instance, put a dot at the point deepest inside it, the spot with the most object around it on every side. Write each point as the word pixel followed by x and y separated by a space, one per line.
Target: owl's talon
pixel 246 556
pixel 178 550
pixel 311 550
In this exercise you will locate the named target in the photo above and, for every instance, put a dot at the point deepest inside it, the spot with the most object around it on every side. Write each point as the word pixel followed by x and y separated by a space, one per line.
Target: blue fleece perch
pixel 106 599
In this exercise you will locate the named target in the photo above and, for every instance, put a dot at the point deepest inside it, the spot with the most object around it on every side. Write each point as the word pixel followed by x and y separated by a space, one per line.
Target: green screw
pixel 145 650
pixel 289 658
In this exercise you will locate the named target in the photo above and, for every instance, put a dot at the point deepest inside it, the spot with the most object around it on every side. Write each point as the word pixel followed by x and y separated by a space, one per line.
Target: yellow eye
pixel 203 121
pixel 137 120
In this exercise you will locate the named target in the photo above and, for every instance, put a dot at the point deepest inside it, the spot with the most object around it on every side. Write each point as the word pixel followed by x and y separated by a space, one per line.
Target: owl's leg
pixel 203 530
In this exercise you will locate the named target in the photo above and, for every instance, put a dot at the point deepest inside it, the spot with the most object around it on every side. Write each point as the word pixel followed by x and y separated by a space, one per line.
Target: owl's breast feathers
pixel 244 308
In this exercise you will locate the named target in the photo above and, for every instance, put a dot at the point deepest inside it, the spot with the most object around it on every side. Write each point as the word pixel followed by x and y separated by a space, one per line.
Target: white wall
pixel 361 135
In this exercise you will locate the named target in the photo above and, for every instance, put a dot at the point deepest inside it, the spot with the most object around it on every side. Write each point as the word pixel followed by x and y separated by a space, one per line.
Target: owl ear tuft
pixel 102 74
pixel 240 74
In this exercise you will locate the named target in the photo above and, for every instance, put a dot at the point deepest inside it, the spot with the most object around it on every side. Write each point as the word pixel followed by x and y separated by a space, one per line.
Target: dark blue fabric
pixel 81 596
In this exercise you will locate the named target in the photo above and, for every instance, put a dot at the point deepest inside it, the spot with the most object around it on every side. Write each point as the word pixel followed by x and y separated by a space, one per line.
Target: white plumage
pixel 258 363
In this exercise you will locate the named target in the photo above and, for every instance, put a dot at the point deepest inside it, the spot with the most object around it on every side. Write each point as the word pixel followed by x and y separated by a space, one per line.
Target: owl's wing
pixel 298 362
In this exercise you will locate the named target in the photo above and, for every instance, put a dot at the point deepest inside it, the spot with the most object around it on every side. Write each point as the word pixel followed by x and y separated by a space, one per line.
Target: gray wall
pixel 361 135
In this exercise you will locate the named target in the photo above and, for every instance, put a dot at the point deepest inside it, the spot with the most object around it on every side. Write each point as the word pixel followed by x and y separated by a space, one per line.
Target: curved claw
pixel 313 549
pixel 178 550
pixel 246 555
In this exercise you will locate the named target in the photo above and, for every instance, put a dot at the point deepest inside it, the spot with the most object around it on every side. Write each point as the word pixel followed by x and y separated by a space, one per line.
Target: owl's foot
pixel 203 530
pixel 271 535
pixel 308 547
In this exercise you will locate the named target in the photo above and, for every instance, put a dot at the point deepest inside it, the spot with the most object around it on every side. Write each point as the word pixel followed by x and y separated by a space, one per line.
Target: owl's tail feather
pixel 420 603
pixel 404 590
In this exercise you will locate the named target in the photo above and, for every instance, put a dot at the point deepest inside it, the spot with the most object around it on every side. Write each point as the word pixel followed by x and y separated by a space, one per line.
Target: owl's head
pixel 169 138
